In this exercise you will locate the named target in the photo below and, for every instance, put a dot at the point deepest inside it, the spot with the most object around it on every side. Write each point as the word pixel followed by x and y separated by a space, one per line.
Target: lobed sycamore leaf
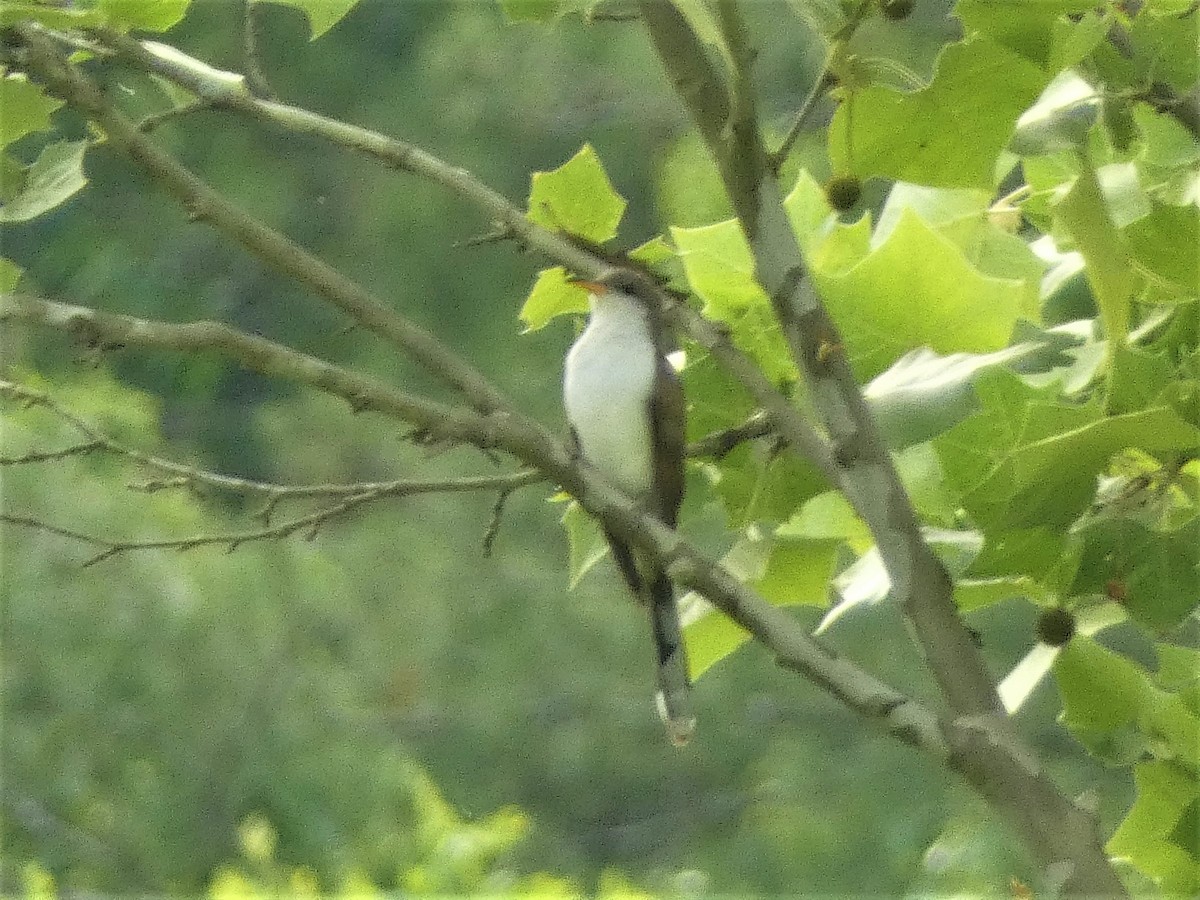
pixel 787 572
pixel 552 295
pixel 27 108
pixel 917 289
pixel 1158 836
pixel 577 198
pixel 1035 29
pixel 948 134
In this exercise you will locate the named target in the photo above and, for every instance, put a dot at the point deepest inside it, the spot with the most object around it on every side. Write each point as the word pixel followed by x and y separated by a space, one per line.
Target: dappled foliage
pixel 997 202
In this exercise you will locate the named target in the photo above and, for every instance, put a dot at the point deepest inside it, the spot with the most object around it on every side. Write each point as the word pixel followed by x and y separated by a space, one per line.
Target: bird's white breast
pixel 609 379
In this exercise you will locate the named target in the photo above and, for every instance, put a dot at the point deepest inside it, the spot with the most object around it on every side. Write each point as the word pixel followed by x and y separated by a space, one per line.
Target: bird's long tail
pixel 674 686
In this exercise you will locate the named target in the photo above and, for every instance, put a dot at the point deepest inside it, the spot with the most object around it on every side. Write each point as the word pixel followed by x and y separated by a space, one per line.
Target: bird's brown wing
pixel 668 423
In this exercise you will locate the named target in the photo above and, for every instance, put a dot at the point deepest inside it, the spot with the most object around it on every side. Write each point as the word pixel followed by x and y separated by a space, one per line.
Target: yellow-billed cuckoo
pixel 626 410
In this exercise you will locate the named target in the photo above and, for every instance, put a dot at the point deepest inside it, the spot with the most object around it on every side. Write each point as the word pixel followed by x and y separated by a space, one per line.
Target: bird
pixel 626 409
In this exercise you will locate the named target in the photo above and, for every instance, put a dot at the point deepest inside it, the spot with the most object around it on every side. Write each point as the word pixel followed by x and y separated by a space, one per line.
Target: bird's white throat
pixel 608 383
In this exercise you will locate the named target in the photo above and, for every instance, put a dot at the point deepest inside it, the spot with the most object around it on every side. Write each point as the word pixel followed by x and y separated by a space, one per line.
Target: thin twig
pixel 823 82
pixel 190 476
pixel 152 121
pixel 719 444
pixel 233 540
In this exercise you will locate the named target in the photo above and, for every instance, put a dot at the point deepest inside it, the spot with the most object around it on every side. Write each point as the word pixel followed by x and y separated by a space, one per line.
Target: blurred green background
pixel 163 709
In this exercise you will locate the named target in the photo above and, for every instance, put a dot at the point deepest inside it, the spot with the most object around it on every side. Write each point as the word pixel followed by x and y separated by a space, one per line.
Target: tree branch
pixel 219 88
pixel 310 522
pixel 866 473
pixel 203 203
pixel 183 475
pixel 773 627
pixel 973 747
pixel 1054 828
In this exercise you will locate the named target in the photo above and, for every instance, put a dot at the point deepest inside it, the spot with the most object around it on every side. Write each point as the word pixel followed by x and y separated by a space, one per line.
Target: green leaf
pixel 1138 379
pixel 577 198
pixel 720 270
pixel 1028 462
pixel 1026 675
pixel 1164 244
pixel 798 572
pixel 830 245
pixel 322 14
pixel 10 274
pixel 917 289
pixel 1059 120
pixel 786 572
pixel 148 15
pixel 1158 571
pixel 1101 690
pixel 1050 480
pixel 1085 216
pixel 55 175
pixel 585 542
pixel 690 192
pixel 759 486
pixel 1015 553
pixel 965 217
pixel 1148 838
pixel 923 394
pixel 1025 26
pixel 973 593
pixel 26 106
pixel 825 17
pixel 948 135
pixel 1074 40
pixel 828 517
pixel 710 635
pixel 867 582
pixel 921 473
pixel 1179 672
pixel 552 295
pixel 716 400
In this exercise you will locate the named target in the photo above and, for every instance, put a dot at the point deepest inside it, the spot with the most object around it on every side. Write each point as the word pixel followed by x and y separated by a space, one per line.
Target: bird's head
pixel 613 280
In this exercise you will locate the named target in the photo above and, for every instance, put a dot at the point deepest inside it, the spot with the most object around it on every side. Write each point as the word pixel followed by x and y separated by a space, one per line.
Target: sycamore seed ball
pixel 843 192
pixel 1055 627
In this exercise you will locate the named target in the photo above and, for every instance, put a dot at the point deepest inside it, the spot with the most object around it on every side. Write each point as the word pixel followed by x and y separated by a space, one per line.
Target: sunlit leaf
pixel 26 106
pixel 552 295
pixel 946 135
pixel 148 15
pixel 1084 214
pixel 577 198
pixel 1166 793
pixel 917 289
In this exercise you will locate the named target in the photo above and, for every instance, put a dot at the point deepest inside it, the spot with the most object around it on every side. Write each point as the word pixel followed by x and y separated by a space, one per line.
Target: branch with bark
pixel 778 632
pixel 973 743
pixel 724 113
